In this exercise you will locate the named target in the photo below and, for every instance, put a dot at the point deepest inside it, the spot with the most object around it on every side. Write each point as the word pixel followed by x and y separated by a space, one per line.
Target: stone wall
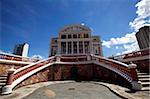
pixel 36 78
pixel 4 68
pixel 76 72
pixel 142 65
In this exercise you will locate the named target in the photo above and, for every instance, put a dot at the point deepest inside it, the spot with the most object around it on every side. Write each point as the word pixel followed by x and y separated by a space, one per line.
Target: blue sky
pixel 36 21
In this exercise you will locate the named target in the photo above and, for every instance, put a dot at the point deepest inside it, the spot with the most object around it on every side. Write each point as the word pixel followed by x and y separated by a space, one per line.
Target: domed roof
pixel 75 27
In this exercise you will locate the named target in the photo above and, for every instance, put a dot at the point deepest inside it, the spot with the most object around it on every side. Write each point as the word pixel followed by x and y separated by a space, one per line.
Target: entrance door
pixel 74 73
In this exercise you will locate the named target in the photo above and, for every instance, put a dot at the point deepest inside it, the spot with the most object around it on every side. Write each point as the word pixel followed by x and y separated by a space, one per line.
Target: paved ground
pixel 74 90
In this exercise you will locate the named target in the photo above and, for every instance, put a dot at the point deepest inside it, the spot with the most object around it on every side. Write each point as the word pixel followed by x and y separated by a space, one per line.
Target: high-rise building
pixel 143 36
pixel 21 49
pixel 76 39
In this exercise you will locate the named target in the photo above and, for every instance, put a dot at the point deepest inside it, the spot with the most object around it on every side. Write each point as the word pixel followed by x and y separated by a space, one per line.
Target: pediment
pixel 75 28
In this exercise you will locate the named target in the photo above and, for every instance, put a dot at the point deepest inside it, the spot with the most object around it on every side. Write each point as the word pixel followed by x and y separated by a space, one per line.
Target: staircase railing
pixel 17 76
pixel 126 71
pixel 140 53
pixel 7 56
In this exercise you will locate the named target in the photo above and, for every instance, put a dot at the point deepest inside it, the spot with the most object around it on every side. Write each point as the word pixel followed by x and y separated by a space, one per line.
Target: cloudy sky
pixel 36 21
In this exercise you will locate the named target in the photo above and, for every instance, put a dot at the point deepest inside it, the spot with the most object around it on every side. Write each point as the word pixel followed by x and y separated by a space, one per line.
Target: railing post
pixel 136 85
pixel 88 57
pixel 58 58
pixel 7 89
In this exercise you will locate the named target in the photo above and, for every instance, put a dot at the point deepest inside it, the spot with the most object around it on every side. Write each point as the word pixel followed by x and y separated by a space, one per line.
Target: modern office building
pixel 21 49
pixel 76 39
pixel 143 36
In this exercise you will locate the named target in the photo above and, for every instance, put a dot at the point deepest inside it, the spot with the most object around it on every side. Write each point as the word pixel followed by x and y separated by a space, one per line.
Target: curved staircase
pixel 3 80
pixel 15 77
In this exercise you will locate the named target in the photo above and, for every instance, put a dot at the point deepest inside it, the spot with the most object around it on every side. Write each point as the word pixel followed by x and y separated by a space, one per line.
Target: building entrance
pixel 74 73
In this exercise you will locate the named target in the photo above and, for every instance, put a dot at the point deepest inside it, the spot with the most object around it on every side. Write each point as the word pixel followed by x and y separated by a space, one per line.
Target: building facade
pixel 143 37
pixel 76 39
pixel 21 49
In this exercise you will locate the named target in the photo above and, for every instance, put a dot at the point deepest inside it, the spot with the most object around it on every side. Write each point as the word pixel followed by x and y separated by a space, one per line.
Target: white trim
pixel 82 62
pixel 4 53
pixel 23 77
pixel 14 62
pixel 123 64
pixel 83 47
pixel 75 39
pixel 17 81
pixel 86 62
pixel 64 57
pixel 6 89
pixel 77 47
pixel 115 70
pixel 30 65
pixel 136 58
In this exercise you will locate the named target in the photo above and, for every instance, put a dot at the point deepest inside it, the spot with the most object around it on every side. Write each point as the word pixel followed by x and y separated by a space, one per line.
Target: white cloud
pixel 128 38
pixel 129 42
pixel 143 15
pixel 37 57
pixel 118 54
pixel 117 47
pixel 130 47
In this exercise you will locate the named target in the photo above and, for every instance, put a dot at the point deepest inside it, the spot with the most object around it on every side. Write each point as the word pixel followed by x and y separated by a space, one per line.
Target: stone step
pixel 2 84
pixel 3 80
pixel 145 89
pixel 144 79
pixel 143 76
pixel 142 73
pixel 145 84
pixel 3 77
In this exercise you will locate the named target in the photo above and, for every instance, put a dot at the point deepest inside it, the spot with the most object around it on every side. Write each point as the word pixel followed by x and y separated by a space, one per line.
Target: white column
pixel 83 47
pixel 72 47
pixel 66 47
pixel 77 47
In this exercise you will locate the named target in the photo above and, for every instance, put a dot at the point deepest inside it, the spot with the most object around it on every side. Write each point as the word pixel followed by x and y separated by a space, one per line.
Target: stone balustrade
pixel 124 70
pixel 7 56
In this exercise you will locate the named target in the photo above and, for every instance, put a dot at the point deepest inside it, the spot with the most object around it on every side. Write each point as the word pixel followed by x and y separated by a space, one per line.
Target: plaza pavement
pixel 118 90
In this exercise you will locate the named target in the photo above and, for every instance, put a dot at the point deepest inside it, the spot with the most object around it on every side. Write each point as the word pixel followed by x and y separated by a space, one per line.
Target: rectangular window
pixel 74 35
pixel 69 48
pixel 80 47
pixel 63 47
pixel 87 47
pixel 74 47
pixel 86 36
pixel 69 36
pixel 63 36
pixel 79 35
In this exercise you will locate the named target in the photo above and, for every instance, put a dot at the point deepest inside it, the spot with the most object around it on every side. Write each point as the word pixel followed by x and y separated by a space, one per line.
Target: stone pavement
pixel 118 90
pixel 75 90
pixel 125 92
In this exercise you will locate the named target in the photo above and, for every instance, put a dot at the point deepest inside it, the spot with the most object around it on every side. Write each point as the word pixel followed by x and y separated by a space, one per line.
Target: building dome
pixel 75 28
